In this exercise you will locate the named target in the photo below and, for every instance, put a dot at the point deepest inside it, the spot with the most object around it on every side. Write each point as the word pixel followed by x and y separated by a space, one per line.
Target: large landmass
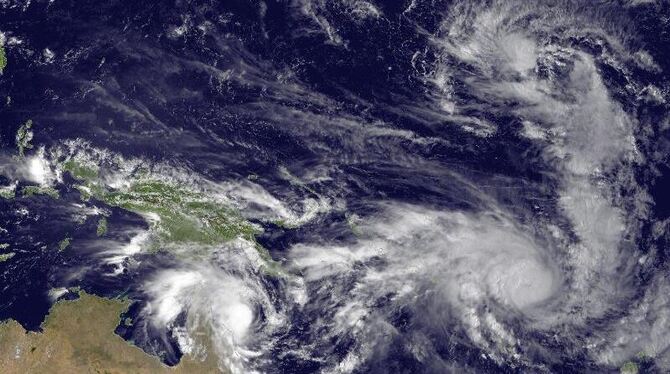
pixel 78 337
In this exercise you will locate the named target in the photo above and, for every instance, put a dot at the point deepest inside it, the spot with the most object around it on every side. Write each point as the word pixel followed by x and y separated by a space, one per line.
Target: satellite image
pixel 334 186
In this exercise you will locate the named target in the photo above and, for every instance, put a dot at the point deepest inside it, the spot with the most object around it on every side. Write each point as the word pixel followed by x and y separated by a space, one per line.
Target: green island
pixel 3 59
pixel 353 221
pixel 78 337
pixel 102 227
pixel 79 171
pixel 6 256
pixel 629 368
pixel 23 137
pixel 179 215
pixel 7 192
pixel 176 214
pixel 63 244
pixel 29 191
